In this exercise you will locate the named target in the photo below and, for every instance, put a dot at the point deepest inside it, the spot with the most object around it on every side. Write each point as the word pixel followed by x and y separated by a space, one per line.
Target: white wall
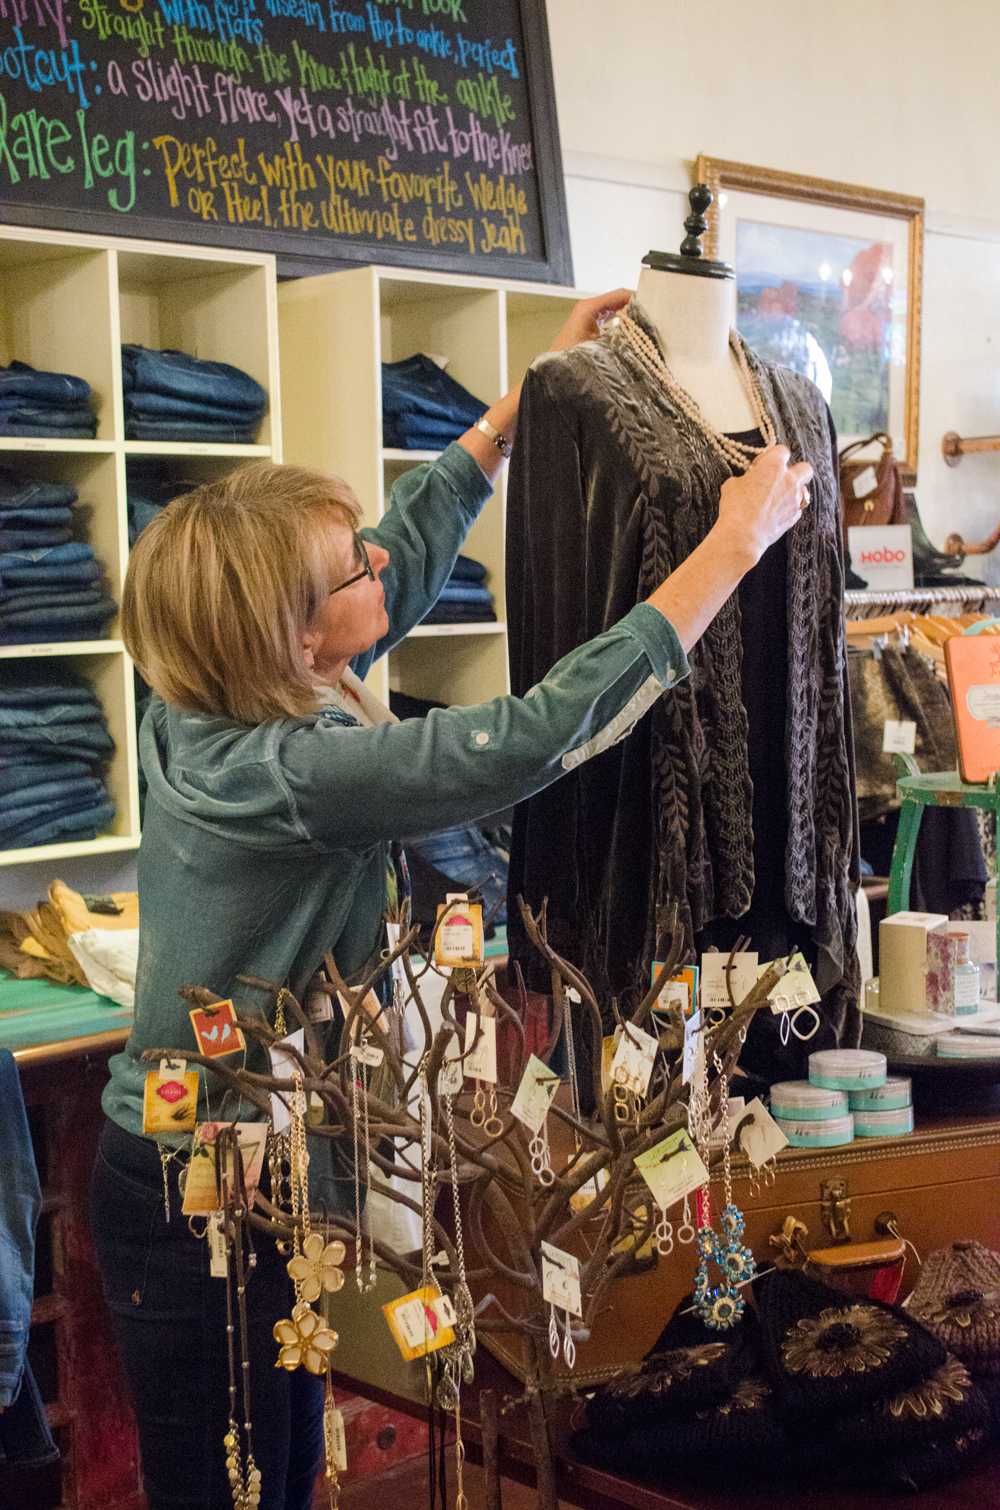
pixel 892 94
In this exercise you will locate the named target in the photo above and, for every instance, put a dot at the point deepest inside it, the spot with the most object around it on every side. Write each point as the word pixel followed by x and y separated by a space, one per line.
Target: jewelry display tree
pixel 516 1191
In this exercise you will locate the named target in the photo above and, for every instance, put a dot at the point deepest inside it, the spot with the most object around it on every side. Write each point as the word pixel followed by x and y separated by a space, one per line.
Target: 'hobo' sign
pixel 882 555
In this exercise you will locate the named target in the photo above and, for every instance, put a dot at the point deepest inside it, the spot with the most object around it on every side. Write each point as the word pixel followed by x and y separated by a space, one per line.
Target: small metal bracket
pixel 835 1208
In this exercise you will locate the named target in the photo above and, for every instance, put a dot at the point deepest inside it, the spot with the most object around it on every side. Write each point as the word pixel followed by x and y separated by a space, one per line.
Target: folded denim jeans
pixel 53 634
pixel 26 682
pixel 55 791
pixel 462 592
pixel 22 615
pixel 187 429
pixel 141 513
pixel 23 381
pixel 417 385
pixel 33 775
pixel 18 490
pixel 12 540
pixel 49 555
pixel 88 823
pixel 467 570
pixel 62 574
pixel 24 409
pixel 90 738
pixel 460 613
pixel 47 432
pixel 24 751
pixel 180 375
pixel 49 715
pixel 22 517
pixel 17 820
pixel 85 595
pixel 421 435
pixel 160 406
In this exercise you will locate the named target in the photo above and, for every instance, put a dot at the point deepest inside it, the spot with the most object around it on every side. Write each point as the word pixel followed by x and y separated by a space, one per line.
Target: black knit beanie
pixel 957 1297
pixel 943 1405
pixel 826 1353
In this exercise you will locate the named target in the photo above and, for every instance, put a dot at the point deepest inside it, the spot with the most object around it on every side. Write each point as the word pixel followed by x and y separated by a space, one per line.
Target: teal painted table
pixel 40 1021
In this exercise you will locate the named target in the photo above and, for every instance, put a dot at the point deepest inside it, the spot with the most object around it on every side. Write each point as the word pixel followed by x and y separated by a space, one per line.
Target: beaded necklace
pixel 736 454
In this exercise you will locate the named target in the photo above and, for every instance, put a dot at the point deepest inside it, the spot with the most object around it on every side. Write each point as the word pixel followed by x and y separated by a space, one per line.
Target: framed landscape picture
pixel 828 282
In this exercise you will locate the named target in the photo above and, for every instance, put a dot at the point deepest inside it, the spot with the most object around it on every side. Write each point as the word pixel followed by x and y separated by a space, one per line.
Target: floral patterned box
pixel 941 955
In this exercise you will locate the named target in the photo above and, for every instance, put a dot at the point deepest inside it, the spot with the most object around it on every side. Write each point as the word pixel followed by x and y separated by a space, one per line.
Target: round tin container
pixel 799 1101
pixel 883 1124
pixel 892 1096
pixel 829 1133
pixel 847 1069
pixel 967 1046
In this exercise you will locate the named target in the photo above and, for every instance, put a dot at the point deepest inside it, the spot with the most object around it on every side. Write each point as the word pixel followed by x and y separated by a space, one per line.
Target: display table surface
pixel 43 1022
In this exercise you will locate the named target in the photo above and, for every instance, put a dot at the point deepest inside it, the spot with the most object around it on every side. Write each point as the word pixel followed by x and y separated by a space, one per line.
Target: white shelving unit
pixel 335 331
pixel 67 303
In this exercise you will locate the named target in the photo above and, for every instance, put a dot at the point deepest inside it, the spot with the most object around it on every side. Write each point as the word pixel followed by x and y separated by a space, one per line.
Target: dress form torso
pixel 693 317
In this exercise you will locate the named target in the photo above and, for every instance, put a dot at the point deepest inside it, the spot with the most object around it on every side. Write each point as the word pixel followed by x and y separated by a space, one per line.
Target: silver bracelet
pixel 496 436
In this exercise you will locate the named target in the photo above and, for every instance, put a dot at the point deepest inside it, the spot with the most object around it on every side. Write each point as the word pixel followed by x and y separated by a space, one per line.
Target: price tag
pixel 672 1169
pixel 561 1279
pixel 587 1192
pixel 679 992
pixel 458 938
pixel 795 989
pixel 368 1053
pixel 761 1137
pixel 694 1049
pixel 338 1440
pixel 635 1055
pixel 201 1185
pixel 215 1030
pixel 535 1094
pixel 421 1322
pixel 899 736
pixel 451 1073
pixel 743 976
pixel 865 482
pixel 170 1098
pixel 283 1067
pixel 217 1264
pixel 393 933
pixel 319 1006
pixel 481 1063
pixel 717 1137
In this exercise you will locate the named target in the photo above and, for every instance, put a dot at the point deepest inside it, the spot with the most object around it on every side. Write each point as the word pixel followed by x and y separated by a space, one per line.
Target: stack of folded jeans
pixel 465 598
pixel 423 409
pixel 45 403
pixel 54 746
pixel 170 395
pixel 149 490
pixel 50 584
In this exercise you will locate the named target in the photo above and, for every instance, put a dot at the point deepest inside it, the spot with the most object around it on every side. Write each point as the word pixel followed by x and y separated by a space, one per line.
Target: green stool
pixel 919 790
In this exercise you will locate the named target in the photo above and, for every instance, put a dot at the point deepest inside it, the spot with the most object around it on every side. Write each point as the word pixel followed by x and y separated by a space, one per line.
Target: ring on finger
pixel 804 500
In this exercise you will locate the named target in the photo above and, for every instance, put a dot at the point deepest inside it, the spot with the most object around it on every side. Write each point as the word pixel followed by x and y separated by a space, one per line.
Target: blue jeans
pixel 169 1320
pixel 25 683
pixel 22 616
pixel 33 774
pixel 12 540
pixel 464 855
pixel 21 820
pixel 93 738
pixel 21 381
pixel 85 823
pixel 47 432
pixel 48 715
pixel 419 387
pixel 159 406
pixel 23 752
pixel 221 434
pixel 54 792
pixel 83 596
pixel 17 490
pixel 460 613
pixel 35 518
pixel 176 374
pixel 467 570
pixel 38 574
pixel 27 412
pixel 416 435
pixel 465 592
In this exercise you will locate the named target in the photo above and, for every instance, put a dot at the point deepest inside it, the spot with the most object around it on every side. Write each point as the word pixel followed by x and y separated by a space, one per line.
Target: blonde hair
pixel 222 585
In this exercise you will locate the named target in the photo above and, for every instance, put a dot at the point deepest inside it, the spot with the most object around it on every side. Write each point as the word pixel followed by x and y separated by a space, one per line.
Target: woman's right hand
pixel 758 508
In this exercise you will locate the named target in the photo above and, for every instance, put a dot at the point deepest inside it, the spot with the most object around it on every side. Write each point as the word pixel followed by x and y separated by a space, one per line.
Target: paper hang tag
pixel 451 1074
pixel 338 1440
pixel 535 1094
pixel 672 1169
pixel 635 1055
pixel 319 1006
pixel 899 736
pixel 421 1322
pixel 717 1137
pixel 368 1053
pixel 761 1137
pixel 561 1279
pixel 865 482
pixel 743 977
pixel 679 992
pixel 393 933
pixel 201 1185
pixel 218 1266
pixel 283 1066
pixel 458 938
pixel 582 1198
pixel 481 1062
pixel 795 989
pixel 170 1098
pixel 694 1049
pixel 215 1030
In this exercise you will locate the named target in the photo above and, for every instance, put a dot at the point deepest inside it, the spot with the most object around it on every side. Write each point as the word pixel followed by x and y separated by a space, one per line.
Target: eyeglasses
pixel 361 557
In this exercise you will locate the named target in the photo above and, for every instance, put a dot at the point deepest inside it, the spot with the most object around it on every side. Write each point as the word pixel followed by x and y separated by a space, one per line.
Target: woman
pixel 275 783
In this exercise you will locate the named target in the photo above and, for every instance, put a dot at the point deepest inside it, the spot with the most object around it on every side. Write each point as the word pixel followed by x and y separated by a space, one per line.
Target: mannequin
pixel 732 802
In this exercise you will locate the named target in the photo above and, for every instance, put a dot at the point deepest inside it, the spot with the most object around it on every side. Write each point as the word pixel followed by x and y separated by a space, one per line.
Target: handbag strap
pixel 859 445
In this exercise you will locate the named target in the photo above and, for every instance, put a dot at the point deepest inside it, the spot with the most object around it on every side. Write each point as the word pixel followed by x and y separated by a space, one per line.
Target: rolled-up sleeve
pixel 353 786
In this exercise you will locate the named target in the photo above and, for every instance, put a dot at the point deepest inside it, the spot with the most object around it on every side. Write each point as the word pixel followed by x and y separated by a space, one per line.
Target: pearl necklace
pixel 736 454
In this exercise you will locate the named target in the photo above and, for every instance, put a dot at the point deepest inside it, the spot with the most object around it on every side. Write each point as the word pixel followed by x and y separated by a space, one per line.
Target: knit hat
pixel 943 1405
pixel 957 1297
pixel 827 1354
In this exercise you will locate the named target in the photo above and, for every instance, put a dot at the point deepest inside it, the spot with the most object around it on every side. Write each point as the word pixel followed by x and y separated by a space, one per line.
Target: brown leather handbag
pixel 881 501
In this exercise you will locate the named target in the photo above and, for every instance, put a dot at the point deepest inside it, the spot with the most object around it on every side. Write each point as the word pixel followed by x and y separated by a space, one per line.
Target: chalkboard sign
pixel 402 131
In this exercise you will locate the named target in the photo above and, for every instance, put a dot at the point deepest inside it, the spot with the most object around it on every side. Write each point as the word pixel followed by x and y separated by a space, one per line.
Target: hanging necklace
pixel 244 1476
pixel 735 453
pixel 362 1136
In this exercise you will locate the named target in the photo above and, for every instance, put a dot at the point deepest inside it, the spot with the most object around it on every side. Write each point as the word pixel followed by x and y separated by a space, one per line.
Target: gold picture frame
pixel 811 212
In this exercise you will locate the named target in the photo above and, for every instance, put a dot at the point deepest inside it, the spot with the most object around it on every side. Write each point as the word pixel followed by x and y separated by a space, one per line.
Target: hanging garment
pixel 610 489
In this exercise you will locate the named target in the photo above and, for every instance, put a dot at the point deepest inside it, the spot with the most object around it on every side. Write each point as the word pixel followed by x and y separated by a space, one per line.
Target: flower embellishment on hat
pixel 317 1267
pixel 749 1394
pixel 962 1308
pixel 837 1342
pixel 305 1341
pixel 948 1385
pixel 664 1370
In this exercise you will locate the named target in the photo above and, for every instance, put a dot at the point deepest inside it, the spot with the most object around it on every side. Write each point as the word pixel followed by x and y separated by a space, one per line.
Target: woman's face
pixel 352 620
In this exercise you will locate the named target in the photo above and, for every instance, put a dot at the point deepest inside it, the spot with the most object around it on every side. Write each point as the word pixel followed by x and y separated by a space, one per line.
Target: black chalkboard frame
pixel 295 259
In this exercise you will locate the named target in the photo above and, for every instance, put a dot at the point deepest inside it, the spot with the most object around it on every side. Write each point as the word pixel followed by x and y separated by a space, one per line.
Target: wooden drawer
pixel 941 1182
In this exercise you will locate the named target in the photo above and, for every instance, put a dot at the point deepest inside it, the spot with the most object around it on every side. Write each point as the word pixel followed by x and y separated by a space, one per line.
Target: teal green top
pixel 263 847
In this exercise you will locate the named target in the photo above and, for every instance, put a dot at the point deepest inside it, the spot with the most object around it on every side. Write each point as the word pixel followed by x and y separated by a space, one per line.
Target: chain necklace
pixel 244 1479
pixel 736 454
pixel 360 1115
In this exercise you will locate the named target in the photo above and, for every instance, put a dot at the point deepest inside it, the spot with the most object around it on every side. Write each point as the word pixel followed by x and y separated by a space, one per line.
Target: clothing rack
pixel 970 597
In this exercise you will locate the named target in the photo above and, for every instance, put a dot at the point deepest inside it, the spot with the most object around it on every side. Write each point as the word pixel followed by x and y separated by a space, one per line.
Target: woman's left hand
pixel 588 316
